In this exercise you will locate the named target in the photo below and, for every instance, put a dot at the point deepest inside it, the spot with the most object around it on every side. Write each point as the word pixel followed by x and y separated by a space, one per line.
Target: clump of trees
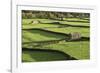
pixel 53 15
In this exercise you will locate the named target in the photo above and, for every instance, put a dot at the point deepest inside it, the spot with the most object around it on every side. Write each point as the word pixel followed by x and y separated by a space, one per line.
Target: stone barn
pixel 75 36
pixel 34 22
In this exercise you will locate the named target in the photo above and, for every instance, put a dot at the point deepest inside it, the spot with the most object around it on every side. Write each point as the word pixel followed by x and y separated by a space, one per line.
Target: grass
pixel 38 26
pixel 79 50
pixel 83 31
pixel 38 35
pixel 30 56
pixel 44 23
pixel 44 55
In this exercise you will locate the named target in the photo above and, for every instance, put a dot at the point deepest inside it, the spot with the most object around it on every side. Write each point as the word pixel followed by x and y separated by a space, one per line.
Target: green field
pixel 43 41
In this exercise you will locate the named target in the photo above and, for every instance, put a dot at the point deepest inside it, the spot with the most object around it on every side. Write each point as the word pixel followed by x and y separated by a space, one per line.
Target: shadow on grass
pixel 87 20
pixel 81 39
pixel 67 25
pixel 63 38
pixel 77 21
pixel 45 55
pixel 45 32
pixel 56 41
pixel 85 39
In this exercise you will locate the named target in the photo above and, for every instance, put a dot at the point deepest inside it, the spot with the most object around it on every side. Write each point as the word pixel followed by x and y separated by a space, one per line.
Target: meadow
pixel 32 36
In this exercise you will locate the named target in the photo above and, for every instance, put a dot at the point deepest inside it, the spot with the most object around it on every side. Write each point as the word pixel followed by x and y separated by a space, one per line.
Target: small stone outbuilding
pixel 75 36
